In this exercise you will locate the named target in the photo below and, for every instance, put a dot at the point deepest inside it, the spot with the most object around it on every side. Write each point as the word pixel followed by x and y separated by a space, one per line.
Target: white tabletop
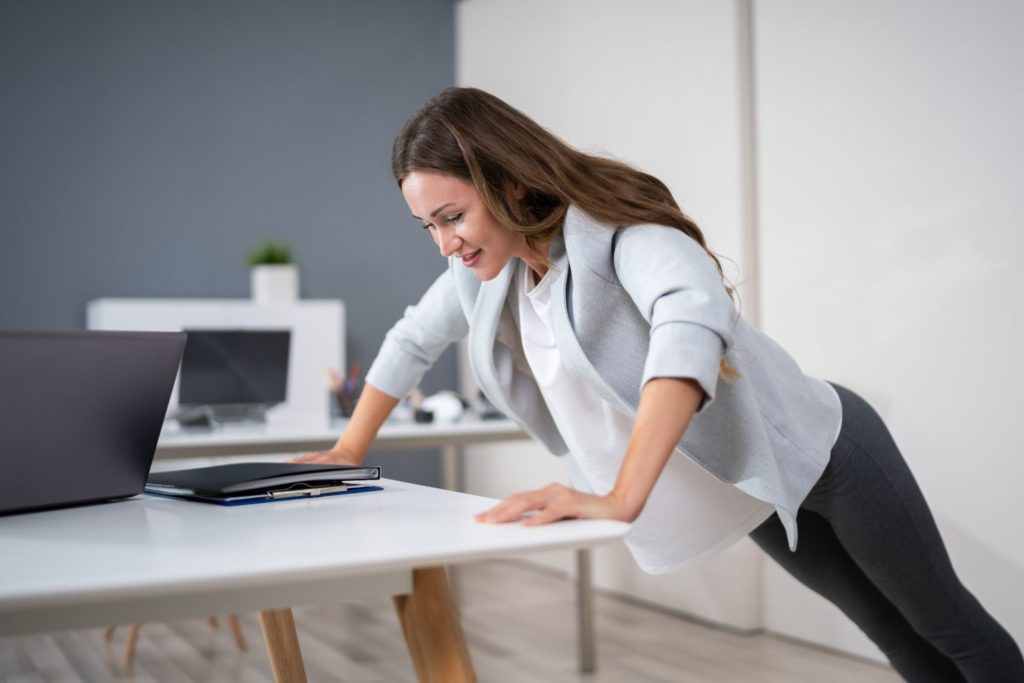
pixel 151 557
pixel 318 435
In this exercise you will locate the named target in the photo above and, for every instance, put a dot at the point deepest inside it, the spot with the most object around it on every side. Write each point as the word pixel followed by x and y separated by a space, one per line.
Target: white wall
pixel 653 83
pixel 890 192
pixel 889 148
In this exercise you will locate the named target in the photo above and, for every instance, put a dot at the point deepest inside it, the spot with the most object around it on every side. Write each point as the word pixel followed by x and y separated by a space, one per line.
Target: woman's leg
pixel 822 564
pixel 872 502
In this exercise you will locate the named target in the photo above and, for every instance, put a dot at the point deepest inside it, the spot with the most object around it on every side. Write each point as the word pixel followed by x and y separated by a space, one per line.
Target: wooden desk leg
pixel 283 645
pixel 432 630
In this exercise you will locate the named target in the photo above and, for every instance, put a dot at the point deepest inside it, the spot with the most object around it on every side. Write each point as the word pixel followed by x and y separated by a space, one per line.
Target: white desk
pixel 292 438
pixel 151 558
pixel 249 439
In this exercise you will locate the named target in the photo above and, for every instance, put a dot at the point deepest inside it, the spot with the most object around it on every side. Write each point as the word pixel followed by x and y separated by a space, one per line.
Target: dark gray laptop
pixel 80 414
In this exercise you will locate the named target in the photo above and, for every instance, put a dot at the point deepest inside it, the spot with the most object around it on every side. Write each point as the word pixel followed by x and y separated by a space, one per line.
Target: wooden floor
pixel 519 622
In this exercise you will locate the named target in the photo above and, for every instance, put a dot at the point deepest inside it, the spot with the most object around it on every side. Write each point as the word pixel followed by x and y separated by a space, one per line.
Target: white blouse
pixel 690 514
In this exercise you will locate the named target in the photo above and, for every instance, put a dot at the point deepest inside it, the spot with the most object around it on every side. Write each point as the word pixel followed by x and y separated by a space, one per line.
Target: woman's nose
pixel 448 241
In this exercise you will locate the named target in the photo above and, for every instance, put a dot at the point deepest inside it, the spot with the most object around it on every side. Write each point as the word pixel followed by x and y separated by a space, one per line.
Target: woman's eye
pixel 427 226
pixel 454 219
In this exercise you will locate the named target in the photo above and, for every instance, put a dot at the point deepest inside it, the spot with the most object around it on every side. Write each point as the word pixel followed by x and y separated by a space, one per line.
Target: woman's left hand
pixel 554 502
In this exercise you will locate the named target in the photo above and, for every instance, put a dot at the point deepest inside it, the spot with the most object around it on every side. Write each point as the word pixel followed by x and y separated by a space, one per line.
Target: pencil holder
pixel 346 398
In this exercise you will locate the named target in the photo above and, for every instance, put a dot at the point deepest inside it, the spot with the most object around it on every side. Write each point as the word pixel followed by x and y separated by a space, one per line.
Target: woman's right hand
pixel 334 456
pixel 373 408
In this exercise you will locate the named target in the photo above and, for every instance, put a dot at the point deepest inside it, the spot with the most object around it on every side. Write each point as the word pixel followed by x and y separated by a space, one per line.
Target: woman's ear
pixel 514 193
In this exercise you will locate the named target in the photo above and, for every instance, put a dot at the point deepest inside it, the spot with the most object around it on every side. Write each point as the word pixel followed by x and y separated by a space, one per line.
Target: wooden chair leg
pixel 432 630
pixel 404 608
pixel 129 645
pixel 283 645
pixel 133 637
pixel 236 631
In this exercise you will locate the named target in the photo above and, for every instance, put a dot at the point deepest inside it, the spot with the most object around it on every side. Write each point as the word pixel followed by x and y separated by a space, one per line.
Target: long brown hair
pixel 473 135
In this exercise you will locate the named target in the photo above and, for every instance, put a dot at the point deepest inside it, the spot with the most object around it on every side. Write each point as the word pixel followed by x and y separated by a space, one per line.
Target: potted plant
pixel 274 276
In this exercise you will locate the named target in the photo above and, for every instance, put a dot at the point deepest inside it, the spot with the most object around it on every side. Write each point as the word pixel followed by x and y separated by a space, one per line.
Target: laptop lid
pixel 80 413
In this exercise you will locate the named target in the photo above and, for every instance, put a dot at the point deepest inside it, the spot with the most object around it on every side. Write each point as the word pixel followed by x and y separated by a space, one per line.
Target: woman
pixel 598 319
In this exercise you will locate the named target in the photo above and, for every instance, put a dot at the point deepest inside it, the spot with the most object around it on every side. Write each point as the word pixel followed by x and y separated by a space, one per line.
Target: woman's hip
pixel 865 447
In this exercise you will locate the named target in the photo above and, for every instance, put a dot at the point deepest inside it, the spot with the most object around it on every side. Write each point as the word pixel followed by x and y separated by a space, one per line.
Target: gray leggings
pixel 869 544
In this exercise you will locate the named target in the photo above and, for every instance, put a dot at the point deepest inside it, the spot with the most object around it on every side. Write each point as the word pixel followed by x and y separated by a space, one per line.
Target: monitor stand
pixel 213 416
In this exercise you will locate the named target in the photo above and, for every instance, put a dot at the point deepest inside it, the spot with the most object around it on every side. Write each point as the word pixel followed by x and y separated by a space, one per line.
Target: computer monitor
pixel 236 373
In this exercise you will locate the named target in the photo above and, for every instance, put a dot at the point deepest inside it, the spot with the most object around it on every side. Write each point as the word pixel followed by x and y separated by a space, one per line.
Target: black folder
pixel 258 482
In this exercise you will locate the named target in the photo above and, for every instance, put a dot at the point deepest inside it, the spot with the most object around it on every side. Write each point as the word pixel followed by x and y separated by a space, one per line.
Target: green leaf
pixel 271 253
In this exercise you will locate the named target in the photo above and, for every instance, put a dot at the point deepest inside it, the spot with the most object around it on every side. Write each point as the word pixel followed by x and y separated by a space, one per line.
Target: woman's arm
pixel 679 292
pixel 410 348
pixel 666 406
pixel 372 409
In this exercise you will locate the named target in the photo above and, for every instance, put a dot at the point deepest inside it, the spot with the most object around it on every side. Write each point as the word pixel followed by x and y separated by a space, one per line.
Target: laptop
pixel 80 414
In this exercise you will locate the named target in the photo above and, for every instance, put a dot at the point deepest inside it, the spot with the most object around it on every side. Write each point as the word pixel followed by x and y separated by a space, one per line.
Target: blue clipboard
pixel 251 498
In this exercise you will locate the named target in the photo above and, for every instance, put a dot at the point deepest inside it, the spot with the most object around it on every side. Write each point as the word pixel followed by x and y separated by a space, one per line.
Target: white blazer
pixel 634 303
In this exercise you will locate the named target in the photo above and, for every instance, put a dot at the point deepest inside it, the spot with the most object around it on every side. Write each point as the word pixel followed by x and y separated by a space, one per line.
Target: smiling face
pixel 455 215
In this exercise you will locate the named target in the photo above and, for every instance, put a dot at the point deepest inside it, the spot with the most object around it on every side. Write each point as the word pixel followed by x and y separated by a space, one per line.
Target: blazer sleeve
pixel 679 292
pixel 416 341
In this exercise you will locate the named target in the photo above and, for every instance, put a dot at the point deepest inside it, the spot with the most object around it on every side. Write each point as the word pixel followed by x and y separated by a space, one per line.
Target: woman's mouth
pixel 469 260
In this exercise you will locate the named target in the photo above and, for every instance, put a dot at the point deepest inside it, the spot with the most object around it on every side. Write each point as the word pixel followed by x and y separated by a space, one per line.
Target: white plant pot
pixel 275 284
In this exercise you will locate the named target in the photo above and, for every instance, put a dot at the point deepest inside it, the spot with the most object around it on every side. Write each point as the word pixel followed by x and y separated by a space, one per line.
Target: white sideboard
pixel 317 340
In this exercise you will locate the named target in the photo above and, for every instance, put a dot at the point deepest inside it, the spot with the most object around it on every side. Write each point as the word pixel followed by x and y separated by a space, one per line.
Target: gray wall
pixel 145 147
